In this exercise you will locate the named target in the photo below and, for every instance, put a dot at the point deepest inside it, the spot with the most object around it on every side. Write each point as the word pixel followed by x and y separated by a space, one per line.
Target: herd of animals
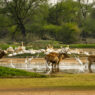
pixel 52 57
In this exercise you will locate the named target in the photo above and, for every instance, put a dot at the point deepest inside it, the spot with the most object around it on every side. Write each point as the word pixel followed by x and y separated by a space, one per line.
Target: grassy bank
pixel 6 72
pixel 64 81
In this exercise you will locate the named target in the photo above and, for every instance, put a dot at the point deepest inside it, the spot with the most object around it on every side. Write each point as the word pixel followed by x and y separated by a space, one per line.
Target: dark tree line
pixel 37 19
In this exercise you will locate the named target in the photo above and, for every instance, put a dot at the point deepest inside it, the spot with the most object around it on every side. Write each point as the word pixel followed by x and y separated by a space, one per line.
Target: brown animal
pixel 2 53
pixel 91 59
pixel 55 59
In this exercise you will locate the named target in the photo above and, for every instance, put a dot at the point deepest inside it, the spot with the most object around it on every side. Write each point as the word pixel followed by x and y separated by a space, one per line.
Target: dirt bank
pixel 47 92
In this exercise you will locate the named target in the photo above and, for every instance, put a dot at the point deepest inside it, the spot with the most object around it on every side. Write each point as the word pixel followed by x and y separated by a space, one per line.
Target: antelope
pixel 55 59
pixel 91 59
pixel 2 53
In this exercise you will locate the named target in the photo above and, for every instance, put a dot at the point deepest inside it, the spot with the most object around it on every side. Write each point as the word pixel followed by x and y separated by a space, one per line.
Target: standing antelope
pixel 91 59
pixel 55 59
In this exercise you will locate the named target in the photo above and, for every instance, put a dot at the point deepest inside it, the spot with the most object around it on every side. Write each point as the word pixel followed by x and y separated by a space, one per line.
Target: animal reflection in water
pixel 54 59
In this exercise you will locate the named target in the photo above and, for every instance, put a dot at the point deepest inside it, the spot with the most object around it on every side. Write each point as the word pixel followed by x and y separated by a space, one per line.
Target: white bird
pixel 12 64
pixel 86 53
pixel 26 61
pixel 29 59
pixel 14 53
pixel 78 60
pixel 10 55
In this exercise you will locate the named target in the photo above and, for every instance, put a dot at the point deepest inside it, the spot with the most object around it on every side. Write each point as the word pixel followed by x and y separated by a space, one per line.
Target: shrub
pixel 69 33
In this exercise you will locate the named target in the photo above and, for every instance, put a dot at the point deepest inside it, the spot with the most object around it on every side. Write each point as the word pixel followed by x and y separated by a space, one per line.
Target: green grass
pixel 42 44
pixel 6 72
pixel 65 81
pixel 82 45
pixel 56 44
pixel 5 46
pixel 25 55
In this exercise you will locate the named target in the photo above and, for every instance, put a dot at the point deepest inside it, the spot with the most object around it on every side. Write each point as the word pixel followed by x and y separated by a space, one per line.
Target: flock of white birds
pixel 22 50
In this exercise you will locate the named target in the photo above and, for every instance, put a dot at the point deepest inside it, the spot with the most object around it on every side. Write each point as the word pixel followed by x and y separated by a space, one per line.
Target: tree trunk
pixel 22 27
pixel 23 30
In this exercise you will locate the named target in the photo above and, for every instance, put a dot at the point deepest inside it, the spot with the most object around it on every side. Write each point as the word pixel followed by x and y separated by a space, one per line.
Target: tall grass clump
pixel 6 72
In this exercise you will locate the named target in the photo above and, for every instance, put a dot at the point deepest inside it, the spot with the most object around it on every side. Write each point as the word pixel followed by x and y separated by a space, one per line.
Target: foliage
pixel 64 11
pixel 38 20
pixel 70 31
pixel 49 31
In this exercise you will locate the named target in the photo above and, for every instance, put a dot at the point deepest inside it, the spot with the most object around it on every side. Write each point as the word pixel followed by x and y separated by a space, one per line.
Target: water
pixel 41 67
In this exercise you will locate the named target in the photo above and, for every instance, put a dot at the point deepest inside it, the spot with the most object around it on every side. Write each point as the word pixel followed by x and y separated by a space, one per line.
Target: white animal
pixel 10 49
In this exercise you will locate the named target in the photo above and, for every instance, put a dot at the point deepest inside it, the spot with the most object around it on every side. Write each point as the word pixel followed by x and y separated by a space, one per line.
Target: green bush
pixel 68 34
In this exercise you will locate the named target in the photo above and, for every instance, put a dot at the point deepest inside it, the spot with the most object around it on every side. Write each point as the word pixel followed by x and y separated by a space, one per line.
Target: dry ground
pixel 64 84
pixel 47 92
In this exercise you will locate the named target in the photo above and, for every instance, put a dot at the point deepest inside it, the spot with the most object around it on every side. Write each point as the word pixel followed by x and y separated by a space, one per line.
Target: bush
pixel 50 31
pixel 69 33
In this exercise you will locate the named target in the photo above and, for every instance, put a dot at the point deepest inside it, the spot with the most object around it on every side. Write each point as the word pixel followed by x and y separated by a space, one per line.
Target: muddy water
pixel 40 67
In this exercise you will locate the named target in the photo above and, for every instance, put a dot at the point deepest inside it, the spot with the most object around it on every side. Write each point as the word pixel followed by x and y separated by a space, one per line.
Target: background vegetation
pixel 67 21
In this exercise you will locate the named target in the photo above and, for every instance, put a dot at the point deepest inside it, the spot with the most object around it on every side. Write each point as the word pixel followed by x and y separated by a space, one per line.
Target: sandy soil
pixel 47 92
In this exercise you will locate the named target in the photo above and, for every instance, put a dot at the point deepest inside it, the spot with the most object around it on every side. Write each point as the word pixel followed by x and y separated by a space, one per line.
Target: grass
pixel 42 44
pixel 82 45
pixel 5 46
pixel 56 44
pixel 25 55
pixel 6 72
pixel 65 81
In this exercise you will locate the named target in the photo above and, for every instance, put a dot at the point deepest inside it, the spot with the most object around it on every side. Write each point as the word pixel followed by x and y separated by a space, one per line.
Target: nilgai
pixel 2 53
pixel 55 59
pixel 91 59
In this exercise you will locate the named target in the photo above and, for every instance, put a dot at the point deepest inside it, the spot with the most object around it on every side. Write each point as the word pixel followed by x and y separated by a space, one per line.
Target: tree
pixel 83 14
pixel 69 33
pixel 63 12
pixel 19 11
